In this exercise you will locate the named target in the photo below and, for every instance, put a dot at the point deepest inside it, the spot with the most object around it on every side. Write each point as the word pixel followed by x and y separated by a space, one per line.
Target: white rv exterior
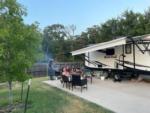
pixel 135 55
pixel 111 61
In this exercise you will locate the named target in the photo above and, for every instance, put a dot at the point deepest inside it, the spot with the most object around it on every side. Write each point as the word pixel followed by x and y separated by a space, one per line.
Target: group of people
pixel 67 71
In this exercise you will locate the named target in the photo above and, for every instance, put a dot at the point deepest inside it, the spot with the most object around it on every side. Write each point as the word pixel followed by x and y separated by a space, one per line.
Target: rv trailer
pixel 122 57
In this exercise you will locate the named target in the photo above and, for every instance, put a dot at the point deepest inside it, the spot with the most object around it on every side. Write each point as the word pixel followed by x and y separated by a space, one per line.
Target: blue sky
pixel 82 13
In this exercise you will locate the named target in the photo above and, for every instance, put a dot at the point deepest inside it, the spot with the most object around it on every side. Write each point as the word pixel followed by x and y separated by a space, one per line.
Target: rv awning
pixel 100 46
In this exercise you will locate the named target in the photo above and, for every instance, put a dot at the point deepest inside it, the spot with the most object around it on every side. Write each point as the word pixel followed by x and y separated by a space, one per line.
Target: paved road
pixel 124 97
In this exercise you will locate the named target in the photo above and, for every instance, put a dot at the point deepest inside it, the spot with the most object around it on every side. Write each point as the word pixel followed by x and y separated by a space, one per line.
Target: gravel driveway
pixel 123 97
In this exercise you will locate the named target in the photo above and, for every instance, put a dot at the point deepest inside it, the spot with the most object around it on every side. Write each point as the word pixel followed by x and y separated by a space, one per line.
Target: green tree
pixel 54 41
pixel 18 43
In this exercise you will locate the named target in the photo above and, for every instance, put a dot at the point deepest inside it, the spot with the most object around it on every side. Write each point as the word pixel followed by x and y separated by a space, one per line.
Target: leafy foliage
pixel 56 41
pixel 18 42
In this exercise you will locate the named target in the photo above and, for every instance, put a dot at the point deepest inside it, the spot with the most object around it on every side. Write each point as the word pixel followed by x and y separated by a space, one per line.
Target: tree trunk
pixel 10 93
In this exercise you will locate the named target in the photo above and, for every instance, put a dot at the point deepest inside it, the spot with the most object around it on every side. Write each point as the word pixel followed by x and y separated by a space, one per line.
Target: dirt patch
pixel 76 106
pixel 11 108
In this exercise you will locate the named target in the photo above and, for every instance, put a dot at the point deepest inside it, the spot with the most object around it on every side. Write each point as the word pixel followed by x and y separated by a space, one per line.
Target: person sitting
pixel 78 79
pixel 78 72
pixel 66 76
pixel 66 71
pixel 73 71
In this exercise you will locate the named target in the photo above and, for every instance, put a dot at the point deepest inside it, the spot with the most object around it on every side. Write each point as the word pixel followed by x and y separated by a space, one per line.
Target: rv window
pixel 110 51
pixel 99 65
pixel 128 49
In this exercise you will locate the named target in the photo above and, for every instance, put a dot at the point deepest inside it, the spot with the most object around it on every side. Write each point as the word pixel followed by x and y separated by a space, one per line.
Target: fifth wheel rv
pixel 122 56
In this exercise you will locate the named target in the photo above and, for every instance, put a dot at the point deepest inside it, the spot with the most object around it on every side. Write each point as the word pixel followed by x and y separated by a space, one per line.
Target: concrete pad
pixel 123 97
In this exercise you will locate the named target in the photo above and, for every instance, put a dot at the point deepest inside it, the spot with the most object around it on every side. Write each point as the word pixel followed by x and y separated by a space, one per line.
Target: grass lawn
pixel 46 99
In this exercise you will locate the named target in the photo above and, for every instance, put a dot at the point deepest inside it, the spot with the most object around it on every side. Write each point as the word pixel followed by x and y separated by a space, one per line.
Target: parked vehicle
pixel 125 57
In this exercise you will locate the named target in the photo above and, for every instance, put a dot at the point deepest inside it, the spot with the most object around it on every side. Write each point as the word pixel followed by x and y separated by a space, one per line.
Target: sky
pixel 81 13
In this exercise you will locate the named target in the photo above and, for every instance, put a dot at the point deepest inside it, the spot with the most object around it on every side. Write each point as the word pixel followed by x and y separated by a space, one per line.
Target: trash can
pixel 51 73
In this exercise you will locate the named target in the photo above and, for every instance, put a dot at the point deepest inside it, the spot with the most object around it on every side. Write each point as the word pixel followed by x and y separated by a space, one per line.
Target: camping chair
pixel 77 81
pixel 88 75
pixel 65 81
